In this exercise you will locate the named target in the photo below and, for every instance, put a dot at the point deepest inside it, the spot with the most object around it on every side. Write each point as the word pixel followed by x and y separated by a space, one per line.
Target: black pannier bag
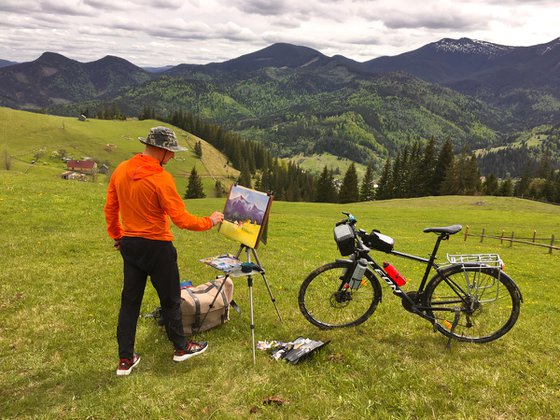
pixel 344 238
pixel 377 240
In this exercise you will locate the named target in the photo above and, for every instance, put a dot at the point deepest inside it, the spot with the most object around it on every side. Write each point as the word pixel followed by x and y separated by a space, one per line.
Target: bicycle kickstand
pixel 452 330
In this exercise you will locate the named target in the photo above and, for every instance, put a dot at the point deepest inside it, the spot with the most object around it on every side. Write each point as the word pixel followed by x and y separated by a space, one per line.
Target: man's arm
pixel 175 208
pixel 111 210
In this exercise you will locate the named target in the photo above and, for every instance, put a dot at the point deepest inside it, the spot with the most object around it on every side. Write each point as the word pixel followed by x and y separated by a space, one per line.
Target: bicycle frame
pixel 362 251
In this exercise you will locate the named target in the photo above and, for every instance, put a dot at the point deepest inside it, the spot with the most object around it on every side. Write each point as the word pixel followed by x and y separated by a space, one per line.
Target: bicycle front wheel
pixel 484 300
pixel 325 302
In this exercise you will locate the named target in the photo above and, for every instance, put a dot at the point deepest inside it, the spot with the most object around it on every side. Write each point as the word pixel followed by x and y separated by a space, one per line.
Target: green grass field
pixel 60 283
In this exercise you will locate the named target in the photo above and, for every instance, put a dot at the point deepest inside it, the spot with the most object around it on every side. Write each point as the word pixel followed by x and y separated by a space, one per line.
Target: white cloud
pixel 19 6
pixel 160 32
pixel 67 7
pixel 262 7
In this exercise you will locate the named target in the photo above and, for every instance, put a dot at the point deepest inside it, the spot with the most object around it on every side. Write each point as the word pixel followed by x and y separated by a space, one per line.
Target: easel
pixel 258 268
pixel 239 211
pixel 248 269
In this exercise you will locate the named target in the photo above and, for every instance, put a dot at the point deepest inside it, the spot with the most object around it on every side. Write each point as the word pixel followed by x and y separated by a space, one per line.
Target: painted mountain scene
pixel 244 215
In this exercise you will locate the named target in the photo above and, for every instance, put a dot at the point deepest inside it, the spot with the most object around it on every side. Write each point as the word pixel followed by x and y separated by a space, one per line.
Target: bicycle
pixel 470 298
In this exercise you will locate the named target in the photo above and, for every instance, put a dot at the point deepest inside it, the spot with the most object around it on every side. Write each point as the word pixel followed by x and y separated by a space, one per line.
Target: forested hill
pixel 298 101
pixel 359 117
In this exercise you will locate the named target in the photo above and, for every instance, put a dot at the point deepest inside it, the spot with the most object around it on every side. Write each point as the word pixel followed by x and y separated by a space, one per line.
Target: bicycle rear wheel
pixel 486 300
pixel 327 304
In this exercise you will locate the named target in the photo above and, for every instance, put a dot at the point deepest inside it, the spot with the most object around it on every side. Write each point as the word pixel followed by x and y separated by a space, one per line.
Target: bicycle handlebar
pixel 358 234
pixel 350 219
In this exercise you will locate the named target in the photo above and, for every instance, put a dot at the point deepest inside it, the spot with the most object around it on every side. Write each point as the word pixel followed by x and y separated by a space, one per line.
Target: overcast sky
pixel 170 32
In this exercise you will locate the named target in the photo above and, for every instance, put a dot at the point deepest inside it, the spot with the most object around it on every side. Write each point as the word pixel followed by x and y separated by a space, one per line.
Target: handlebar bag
pixel 344 238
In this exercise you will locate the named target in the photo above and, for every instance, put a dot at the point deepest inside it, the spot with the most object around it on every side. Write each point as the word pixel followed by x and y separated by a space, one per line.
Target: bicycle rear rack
pixel 486 289
pixel 488 260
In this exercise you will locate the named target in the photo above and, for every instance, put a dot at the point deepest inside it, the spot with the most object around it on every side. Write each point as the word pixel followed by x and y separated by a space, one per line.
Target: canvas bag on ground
pixel 195 306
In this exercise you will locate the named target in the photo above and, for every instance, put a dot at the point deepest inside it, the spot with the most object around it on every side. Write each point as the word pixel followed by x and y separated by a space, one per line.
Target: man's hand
pixel 217 217
pixel 117 244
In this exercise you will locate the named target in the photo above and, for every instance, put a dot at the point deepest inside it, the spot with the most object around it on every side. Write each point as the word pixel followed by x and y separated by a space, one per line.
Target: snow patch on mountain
pixel 471 46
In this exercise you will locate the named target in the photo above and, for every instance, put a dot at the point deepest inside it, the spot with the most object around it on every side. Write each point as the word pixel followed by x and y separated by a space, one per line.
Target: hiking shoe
pixel 191 349
pixel 126 365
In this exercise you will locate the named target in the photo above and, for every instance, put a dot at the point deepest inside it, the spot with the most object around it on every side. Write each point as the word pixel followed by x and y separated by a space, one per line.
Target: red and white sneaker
pixel 125 365
pixel 191 349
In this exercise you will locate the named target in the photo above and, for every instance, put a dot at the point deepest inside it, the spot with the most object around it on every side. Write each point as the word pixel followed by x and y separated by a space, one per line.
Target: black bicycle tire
pixel 497 274
pixel 376 297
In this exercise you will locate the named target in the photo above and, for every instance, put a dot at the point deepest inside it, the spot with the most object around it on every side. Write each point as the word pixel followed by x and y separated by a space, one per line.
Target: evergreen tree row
pixel 109 112
pixel 541 182
pixel 420 171
pixel 258 168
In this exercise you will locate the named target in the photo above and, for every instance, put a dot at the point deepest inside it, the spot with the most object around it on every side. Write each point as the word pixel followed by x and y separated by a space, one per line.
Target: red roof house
pixel 85 166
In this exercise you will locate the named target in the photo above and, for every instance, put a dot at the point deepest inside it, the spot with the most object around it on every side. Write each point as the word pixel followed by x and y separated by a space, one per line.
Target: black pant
pixel 158 259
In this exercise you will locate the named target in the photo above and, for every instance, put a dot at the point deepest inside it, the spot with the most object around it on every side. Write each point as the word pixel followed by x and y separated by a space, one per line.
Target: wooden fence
pixel 503 237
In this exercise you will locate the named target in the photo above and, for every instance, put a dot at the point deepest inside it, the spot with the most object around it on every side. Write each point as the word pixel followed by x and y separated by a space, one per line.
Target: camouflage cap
pixel 163 138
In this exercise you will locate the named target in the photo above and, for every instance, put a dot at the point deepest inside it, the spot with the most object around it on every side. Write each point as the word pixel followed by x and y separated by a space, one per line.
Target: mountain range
pixel 240 209
pixel 297 100
pixel 5 63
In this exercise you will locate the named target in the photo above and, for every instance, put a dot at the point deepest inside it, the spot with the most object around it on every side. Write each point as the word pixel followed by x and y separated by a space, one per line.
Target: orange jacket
pixel 146 197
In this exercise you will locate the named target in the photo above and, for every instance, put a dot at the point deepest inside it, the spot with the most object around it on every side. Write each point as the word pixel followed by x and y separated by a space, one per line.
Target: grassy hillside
pixel 316 163
pixel 60 283
pixel 44 139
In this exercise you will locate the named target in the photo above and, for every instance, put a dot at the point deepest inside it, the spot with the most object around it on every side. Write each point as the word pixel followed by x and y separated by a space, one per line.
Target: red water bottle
pixel 394 274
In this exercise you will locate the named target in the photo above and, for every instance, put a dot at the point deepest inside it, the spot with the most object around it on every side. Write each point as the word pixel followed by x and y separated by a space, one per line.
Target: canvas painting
pixel 245 215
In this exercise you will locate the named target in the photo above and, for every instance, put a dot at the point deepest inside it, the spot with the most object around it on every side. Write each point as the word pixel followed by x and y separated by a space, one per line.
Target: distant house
pixel 83 166
pixel 75 176
pixel 104 169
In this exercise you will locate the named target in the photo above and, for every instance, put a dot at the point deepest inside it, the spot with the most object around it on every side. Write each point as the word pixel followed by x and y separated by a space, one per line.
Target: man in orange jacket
pixel 145 196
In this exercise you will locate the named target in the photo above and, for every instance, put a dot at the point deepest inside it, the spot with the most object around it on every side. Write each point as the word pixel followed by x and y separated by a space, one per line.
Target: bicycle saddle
pixel 451 230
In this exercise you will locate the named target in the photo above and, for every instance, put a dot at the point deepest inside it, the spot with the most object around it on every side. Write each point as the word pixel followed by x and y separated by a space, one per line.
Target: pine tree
pixel 415 171
pixel 385 182
pixel 219 189
pixel 349 190
pixel 462 176
pixel 198 149
pixel 326 192
pixel 472 177
pixel 443 164
pixel 522 186
pixel 490 186
pixel 194 187
pixel 245 175
pixel 367 190
pixel 405 172
pixel 506 188
pixel 425 170
pixel 395 190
